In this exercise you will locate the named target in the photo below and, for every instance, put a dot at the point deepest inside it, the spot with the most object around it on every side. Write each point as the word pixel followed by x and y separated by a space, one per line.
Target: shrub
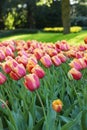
pixel 60 29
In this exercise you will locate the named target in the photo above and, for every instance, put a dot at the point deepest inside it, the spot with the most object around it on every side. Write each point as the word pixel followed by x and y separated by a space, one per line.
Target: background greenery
pixel 72 38
pixel 16 14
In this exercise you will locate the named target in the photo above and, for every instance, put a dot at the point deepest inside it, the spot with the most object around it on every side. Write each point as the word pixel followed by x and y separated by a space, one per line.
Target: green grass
pixel 72 38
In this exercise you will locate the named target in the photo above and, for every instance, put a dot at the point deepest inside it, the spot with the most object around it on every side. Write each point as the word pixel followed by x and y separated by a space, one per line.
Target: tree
pixel 66 15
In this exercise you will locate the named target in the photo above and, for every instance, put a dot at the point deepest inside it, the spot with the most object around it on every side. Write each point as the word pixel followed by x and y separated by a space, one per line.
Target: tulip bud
pixel 38 71
pixel 85 40
pixel 56 60
pixel 2 78
pixel 6 67
pixel 46 60
pixel 30 65
pixel 75 74
pixel 2 55
pixel 31 82
pixel 57 105
pixel 20 70
pixel 14 76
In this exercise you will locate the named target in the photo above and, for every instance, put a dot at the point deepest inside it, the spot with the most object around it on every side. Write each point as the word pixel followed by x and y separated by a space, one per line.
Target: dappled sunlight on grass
pixel 72 38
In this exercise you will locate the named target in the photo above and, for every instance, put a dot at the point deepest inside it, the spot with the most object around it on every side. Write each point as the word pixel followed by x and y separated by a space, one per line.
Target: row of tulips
pixel 31 61
pixel 17 57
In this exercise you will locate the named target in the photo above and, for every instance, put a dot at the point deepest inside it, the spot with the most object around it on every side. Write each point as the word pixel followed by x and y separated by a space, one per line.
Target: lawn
pixel 72 38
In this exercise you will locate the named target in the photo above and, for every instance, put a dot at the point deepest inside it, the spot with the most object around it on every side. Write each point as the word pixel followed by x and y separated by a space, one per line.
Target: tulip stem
pixel 9 113
pixel 43 109
pixel 41 103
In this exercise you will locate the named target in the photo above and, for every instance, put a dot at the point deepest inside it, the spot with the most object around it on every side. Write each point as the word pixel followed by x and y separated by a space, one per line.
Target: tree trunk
pixel 66 16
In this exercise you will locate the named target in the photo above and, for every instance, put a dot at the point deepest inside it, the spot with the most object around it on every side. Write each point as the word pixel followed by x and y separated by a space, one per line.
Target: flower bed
pixel 43 85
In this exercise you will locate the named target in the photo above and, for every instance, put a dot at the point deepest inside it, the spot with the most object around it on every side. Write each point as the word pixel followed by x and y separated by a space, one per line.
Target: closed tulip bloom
pixel 2 78
pixel 2 55
pixel 22 60
pixel 14 75
pixel 38 53
pixel 38 71
pixel 62 57
pixel 8 52
pixel 85 40
pixel 46 61
pixel 76 64
pixel 6 67
pixel 32 82
pixel 30 65
pixel 75 74
pixel 57 105
pixel 56 61
pixel 51 52
pixel 20 70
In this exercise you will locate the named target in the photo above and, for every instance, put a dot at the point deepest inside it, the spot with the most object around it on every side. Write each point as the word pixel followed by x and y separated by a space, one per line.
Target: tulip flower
pixel 46 60
pixel 30 65
pixel 8 51
pixel 20 70
pixel 75 74
pixel 6 67
pixel 51 52
pixel 76 64
pixel 38 53
pixel 22 60
pixel 85 40
pixel 2 78
pixel 14 75
pixel 62 57
pixel 2 55
pixel 57 105
pixel 56 61
pixel 38 71
pixel 31 82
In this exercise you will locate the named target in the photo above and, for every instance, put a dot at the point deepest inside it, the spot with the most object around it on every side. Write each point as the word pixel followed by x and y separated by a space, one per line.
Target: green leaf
pixel 30 127
pixel 10 125
pixel 1 125
pixel 39 124
pixel 84 120
pixel 70 124
pixel 65 119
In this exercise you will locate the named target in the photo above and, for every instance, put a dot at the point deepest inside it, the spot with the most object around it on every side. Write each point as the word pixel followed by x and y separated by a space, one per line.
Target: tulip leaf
pixel 65 119
pixel 70 124
pixel 30 127
pixel 39 124
pixel 10 125
pixel 84 120
pixel 1 125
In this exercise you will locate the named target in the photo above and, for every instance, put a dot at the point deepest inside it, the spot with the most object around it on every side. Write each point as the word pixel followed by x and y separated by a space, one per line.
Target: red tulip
pixel 38 53
pixel 76 64
pixel 62 57
pixel 46 60
pixel 75 74
pixel 2 78
pixel 51 52
pixel 22 60
pixel 31 82
pixel 2 55
pixel 56 61
pixel 38 71
pixel 14 76
pixel 6 67
pixel 85 40
pixel 20 70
